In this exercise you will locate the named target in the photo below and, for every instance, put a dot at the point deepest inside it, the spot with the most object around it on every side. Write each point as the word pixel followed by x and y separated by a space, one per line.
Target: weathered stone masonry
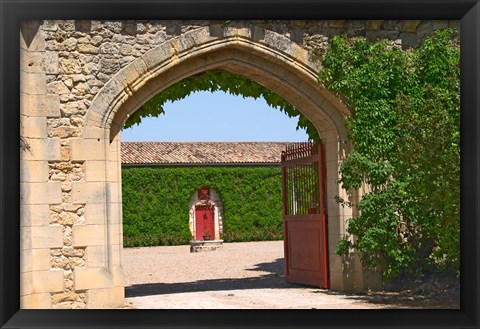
pixel 79 82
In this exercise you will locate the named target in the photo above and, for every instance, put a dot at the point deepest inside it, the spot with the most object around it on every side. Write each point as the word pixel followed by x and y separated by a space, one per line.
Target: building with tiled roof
pixel 201 191
pixel 202 153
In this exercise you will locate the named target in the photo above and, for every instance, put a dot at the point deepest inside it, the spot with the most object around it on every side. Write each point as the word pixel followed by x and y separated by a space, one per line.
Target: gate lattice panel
pixel 304 214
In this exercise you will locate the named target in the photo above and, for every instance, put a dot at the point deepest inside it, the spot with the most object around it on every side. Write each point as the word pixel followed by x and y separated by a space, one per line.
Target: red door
pixel 204 223
pixel 304 215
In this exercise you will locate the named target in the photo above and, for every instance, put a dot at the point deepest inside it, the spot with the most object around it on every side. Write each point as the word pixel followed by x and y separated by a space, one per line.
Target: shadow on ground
pixel 399 300
pixel 274 279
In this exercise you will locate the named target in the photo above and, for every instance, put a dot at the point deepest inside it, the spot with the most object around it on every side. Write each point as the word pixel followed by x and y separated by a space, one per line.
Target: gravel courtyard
pixel 245 275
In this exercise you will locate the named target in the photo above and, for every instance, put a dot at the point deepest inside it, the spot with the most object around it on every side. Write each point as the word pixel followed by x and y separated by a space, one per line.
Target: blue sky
pixel 206 116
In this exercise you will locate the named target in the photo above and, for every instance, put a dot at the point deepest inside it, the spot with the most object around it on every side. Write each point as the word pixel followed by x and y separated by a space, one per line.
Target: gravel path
pixel 241 275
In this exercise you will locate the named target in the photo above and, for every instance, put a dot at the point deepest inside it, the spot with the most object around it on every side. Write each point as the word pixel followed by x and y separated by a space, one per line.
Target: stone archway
pixel 285 71
pixel 79 82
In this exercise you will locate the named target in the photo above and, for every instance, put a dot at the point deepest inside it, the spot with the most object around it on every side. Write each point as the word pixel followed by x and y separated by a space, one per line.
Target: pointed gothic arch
pixel 285 70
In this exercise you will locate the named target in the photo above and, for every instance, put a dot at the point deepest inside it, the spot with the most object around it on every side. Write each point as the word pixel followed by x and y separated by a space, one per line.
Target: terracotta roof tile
pixel 201 152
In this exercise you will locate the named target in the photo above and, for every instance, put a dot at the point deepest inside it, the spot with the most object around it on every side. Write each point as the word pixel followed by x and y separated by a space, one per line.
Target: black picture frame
pixel 14 11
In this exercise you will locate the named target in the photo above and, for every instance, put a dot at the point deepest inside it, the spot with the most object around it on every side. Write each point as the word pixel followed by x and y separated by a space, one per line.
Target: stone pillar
pixel 39 278
pixel 346 272
pixel 70 246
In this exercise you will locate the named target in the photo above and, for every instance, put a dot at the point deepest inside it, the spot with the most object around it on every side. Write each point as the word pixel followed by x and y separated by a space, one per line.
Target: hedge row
pixel 156 203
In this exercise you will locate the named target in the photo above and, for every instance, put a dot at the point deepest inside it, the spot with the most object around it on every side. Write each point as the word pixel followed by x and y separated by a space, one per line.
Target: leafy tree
pixel 405 132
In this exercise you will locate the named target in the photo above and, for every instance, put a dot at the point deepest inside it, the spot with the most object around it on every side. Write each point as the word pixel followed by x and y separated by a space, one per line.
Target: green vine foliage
pixel 405 130
pixel 156 203
pixel 227 82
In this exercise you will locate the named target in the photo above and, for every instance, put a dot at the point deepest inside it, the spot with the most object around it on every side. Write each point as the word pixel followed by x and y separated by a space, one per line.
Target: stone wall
pixel 70 231
pixel 81 56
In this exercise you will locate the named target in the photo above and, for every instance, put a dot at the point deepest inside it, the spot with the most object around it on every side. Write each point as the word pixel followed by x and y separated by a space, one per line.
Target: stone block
pixel 119 297
pixel 88 192
pixel 40 259
pixel 47 237
pixel 300 54
pixel 95 171
pixel 202 35
pixel 99 104
pixel 113 171
pixel 43 106
pixel 116 232
pixel 34 171
pixel 99 298
pixel 34 215
pixel 51 64
pixel 114 191
pixel 133 72
pixel 26 283
pixel 31 61
pixel 36 301
pixel 33 83
pixel 95 213
pixel 33 127
pixel 118 276
pixel 96 256
pixel 92 132
pixel 40 193
pixel 116 252
pixel 26 260
pixel 87 149
pixel 332 168
pixel 203 246
pixel 156 57
pixel 332 206
pixel 51 105
pixel 47 281
pixel 336 231
pixel 92 278
pixel 88 235
pixel 69 66
pixel 42 149
pixel 372 280
pixel 25 238
pixel 106 298
pixel 25 108
pixel 336 281
pixel 335 262
pixel 57 88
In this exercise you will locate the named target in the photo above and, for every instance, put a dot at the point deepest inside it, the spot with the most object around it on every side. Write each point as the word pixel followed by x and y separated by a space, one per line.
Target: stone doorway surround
pixel 216 241
pixel 218 213
pixel 80 80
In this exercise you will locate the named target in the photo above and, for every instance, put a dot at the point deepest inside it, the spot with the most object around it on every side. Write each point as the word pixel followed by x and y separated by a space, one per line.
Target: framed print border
pixel 14 11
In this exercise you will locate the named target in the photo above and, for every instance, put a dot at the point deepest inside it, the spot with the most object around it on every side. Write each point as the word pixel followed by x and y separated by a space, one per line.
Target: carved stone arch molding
pixel 281 65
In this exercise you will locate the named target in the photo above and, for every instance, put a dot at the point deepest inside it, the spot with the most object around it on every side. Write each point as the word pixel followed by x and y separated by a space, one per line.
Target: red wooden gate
pixel 304 215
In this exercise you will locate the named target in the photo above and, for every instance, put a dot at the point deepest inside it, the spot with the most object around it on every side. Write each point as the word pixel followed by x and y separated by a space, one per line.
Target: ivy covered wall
pixel 156 199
